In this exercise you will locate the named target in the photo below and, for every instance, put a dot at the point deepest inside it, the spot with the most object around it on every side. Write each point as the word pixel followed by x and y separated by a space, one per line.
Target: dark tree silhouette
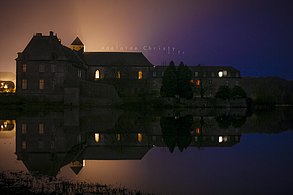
pixel 169 82
pixel 224 92
pixel 184 76
pixel 238 91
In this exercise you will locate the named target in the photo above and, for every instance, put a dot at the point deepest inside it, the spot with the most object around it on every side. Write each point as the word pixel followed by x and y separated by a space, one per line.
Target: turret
pixel 77 45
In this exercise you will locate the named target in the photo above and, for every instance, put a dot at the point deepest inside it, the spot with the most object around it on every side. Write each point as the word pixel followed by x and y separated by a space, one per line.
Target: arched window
pixel 140 74
pixel 118 75
pixel 97 76
pixel 97 137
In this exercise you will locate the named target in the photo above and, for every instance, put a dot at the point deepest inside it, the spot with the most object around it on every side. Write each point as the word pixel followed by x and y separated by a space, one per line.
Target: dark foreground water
pixel 171 152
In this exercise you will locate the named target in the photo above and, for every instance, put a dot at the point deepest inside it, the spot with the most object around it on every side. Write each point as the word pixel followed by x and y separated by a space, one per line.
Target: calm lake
pixel 197 151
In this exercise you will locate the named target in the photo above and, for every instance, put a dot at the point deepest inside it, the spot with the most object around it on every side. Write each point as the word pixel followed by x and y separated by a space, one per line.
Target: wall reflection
pixel 45 142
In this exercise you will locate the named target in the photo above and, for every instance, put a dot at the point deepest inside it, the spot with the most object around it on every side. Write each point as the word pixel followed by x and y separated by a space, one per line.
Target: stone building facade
pixel 46 67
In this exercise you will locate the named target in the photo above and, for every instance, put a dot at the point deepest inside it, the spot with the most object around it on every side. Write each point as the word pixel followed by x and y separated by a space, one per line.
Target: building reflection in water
pixel 46 142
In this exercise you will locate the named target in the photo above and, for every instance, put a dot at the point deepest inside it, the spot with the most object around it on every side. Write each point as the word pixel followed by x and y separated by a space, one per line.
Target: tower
pixel 77 45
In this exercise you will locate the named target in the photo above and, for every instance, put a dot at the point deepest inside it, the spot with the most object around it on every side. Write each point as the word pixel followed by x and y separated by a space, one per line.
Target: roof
pixel 77 41
pixel 49 48
pixel 202 68
pixel 116 59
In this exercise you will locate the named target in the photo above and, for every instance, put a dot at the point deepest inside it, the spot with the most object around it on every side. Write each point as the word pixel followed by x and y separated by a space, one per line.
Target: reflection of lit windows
pixel 118 75
pixel 223 139
pixel 213 74
pixel 97 137
pixel 41 128
pixel 97 75
pixel 197 82
pixel 195 74
pixel 23 128
pixel 220 73
pixel 23 145
pixel 24 84
pixel 140 74
pixel 139 137
pixel 41 84
pixel 24 68
pixel 237 83
pixel 118 136
pixel 197 131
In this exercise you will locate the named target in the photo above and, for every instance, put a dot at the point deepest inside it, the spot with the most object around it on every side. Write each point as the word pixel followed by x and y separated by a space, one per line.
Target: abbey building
pixel 46 67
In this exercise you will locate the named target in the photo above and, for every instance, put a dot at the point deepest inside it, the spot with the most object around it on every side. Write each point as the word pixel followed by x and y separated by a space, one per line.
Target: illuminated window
pixel 23 128
pixel 195 74
pixel 24 84
pixel 41 128
pixel 197 82
pixel 140 74
pixel 220 73
pixel 41 84
pixel 220 139
pixel 23 145
pixel 139 137
pixel 42 68
pixel 118 136
pixel 118 75
pixel 97 75
pixel 225 73
pixel 191 81
pixel 97 137
pixel 24 68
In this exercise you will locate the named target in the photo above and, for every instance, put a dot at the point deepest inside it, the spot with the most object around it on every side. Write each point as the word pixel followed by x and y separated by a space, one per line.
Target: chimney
pixel 51 33
pixel 39 34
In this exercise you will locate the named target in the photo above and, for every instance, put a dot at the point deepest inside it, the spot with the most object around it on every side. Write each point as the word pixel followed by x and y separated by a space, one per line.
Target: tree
pixel 224 92
pixel 169 82
pixel 238 91
pixel 184 75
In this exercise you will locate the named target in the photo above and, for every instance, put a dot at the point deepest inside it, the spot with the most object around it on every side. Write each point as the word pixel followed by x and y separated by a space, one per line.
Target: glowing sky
pixel 254 36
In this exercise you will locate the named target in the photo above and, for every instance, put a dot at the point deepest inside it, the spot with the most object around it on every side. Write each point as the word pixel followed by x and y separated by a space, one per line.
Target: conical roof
pixel 77 41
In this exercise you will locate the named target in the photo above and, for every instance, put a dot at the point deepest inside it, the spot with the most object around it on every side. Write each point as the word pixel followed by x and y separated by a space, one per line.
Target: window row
pixel 117 75
pixel 118 137
pixel 41 128
pixel 222 73
pixel 24 84
pixel 41 68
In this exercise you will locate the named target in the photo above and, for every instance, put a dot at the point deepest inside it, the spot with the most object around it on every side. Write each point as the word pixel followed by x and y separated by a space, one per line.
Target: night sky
pixel 255 36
